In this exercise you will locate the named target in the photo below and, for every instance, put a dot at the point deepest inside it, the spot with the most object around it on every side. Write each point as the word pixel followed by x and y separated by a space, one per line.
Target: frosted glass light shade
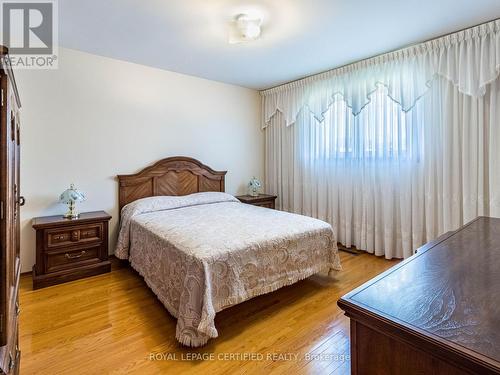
pixel 244 29
pixel 72 195
pixel 253 186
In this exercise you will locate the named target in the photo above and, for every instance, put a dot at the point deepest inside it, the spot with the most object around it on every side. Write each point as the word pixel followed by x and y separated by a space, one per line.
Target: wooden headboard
pixel 178 175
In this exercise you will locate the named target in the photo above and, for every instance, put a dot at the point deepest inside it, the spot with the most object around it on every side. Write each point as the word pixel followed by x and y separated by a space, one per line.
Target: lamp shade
pixel 72 195
pixel 255 183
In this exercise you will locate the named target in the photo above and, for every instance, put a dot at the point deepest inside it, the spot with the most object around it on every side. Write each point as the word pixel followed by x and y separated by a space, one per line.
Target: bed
pixel 200 250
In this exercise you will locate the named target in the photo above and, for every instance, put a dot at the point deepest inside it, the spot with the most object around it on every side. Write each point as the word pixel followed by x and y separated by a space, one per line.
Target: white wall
pixel 96 117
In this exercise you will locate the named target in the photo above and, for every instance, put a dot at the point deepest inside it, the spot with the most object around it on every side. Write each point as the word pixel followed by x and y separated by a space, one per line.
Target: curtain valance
pixel 470 59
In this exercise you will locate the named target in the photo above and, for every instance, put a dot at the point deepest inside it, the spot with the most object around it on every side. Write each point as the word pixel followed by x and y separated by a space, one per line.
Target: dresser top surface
pixel 450 290
pixel 60 220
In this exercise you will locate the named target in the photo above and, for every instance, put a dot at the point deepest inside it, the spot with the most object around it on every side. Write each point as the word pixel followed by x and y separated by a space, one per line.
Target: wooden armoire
pixel 10 202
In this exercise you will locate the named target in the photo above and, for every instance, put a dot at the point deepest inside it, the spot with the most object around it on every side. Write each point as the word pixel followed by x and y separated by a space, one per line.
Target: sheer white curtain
pixel 390 178
pixel 395 150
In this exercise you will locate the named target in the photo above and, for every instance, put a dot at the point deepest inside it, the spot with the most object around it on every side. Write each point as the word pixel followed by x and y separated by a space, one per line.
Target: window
pixel 381 131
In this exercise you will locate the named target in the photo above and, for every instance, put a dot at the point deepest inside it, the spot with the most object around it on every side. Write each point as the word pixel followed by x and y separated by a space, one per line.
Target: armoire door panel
pixel 10 202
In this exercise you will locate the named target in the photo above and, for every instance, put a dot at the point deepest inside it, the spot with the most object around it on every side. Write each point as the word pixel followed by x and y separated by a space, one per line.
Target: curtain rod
pixel 379 54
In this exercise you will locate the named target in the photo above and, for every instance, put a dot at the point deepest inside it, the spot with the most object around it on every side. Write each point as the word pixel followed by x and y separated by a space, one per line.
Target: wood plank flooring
pixel 113 324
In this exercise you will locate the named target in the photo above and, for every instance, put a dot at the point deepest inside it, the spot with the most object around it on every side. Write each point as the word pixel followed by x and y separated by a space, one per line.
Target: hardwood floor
pixel 113 324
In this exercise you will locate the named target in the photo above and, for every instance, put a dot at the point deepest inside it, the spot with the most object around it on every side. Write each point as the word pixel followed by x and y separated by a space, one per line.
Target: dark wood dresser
pixel 70 249
pixel 263 200
pixel 438 312
pixel 10 202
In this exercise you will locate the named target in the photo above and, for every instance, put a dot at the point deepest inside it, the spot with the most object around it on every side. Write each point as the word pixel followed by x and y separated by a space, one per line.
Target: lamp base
pixel 69 215
pixel 72 212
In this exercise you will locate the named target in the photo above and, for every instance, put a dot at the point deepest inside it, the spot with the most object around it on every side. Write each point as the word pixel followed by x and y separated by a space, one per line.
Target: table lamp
pixel 70 197
pixel 253 186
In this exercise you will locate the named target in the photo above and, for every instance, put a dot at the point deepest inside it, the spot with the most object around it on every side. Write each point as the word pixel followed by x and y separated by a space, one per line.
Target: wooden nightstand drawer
pixel 265 204
pixel 261 200
pixel 71 258
pixel 56 238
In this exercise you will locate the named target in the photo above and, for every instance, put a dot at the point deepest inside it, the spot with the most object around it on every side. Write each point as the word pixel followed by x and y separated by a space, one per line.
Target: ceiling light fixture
pixel 245 29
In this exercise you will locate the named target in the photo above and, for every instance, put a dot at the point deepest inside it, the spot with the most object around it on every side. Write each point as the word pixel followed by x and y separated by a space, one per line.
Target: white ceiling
pixel 299 37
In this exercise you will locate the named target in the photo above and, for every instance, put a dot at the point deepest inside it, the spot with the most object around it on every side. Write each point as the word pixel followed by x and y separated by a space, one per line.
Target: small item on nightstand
pixel 254 186
pixel 70 197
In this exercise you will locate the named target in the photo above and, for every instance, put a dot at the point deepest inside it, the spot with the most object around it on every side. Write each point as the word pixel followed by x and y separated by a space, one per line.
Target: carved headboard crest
pixel 178 175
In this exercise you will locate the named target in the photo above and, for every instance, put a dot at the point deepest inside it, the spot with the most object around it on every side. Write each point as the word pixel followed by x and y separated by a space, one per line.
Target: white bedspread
pixel 207 251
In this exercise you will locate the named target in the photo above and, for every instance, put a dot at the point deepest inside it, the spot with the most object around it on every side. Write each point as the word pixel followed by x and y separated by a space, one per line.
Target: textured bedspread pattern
pixel 207 251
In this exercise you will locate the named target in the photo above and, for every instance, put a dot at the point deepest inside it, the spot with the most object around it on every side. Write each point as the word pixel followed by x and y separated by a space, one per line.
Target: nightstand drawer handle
pixel 18 309
pixel 75 256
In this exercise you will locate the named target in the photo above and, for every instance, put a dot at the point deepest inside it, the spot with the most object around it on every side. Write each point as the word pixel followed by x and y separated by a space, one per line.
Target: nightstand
pixel 70 249
pixel 263 200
